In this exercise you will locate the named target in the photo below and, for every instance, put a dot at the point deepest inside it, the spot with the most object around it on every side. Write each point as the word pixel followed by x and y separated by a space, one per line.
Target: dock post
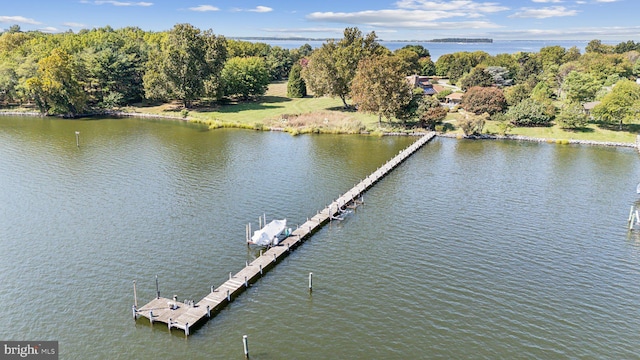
pixel 274 257
pixel 135 312
pixel 77 138
pixel 310 281
pixel 260 269
pixel 186 329
pixel 157 289
pixel 135 296
pixel 211 288
pixel 230 276
pixel 228 295
pixel 208 311
pixel 630 214
pixel 245 344
pixel 169 325
pixel 246 283
pixel 246 263
pixel 151 316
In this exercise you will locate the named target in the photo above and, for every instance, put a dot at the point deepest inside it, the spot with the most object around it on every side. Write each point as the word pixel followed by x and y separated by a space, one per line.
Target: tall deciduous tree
pixel 380 87
pixel 529 113
pixel 188 60
pixel 245 77
pixel 571 116
pixel 580 87
pixel 621 105
pixel 54 88
pixel 332 67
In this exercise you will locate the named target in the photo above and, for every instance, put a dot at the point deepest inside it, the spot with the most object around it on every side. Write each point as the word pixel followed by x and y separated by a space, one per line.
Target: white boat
pixel 270 234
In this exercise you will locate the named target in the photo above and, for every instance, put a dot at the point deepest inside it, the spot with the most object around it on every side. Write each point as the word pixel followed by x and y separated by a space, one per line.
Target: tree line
pixel 520 89
pixel 72 73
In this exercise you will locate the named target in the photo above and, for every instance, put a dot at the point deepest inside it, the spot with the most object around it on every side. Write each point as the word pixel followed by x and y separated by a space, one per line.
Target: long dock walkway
pixel 184 315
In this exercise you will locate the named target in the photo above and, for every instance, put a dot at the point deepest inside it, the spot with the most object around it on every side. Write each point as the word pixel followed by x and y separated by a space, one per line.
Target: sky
pixel 606 20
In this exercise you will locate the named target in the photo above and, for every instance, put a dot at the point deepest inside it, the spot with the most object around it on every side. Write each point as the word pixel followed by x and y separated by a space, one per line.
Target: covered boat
pixel 270 234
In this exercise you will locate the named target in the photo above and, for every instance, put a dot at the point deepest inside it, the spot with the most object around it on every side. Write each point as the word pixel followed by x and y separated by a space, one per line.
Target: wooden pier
pixel 184 315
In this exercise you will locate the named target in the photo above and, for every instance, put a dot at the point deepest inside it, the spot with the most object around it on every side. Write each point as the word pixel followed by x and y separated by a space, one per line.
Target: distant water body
pixel 438 49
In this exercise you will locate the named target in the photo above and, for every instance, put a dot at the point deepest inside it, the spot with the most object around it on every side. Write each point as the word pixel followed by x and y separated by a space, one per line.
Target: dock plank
pixel 184 316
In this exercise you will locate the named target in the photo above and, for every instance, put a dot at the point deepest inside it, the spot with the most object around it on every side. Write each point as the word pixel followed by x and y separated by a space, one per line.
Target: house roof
pixel 439 88
pixel 454 96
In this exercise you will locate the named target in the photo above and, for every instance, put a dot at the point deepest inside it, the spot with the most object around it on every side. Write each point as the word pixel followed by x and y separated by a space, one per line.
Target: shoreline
pixel 542 140
pixel 413 133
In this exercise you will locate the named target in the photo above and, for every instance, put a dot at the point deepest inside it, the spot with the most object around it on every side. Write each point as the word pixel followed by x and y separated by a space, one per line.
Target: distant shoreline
pixel 444 40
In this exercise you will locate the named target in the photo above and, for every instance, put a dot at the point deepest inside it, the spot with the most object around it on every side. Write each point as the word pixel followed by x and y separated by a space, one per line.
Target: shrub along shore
pixel 301 129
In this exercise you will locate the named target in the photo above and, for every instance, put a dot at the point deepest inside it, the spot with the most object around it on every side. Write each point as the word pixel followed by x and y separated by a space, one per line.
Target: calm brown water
pixel 470 249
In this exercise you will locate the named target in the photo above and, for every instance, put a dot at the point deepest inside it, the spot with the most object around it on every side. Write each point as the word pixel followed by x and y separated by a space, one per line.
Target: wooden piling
pixel 185 317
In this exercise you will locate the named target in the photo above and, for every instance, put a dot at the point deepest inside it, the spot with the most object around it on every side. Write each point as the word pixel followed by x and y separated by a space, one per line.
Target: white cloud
pixel 547 1
pixel 203 8
pixel 410 19
pixel 48 29
pixel 614 33
pixel 74 24
pixel 606 1
pixel 306 30
pixel 18 20
pixel 460 5
pixel 261 9
pixel 121 3
pixel 543 13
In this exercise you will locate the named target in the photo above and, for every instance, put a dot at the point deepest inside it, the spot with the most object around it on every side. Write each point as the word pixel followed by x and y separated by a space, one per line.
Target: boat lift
pixel 634 218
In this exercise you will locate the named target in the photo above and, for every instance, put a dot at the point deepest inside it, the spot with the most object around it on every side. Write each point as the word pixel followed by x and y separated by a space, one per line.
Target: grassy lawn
pixel 592 132
pixel 275 110
pixel 311 114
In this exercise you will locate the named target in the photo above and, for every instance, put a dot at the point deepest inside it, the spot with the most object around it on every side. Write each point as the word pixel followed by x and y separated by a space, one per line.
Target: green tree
pixel 596 46
pixel 455 65
pixel 571 116
pixel 472 124
pixel 380 87
pixel 296 88
pixel 529 113
pixel 620 105
pixel 517 93
pixel 427 67
pixel 186 63
pixel 410 60
pixel 529 70
pixel 332 67
pixel 580 87
pixel 245 77
pixel 55 89
pixel 279 62
pixel 552 55
pixel 479 100
pixel 420 50
pixel 477 77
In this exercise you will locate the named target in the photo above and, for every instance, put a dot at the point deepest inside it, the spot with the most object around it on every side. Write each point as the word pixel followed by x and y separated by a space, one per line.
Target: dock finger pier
pixel 185 315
